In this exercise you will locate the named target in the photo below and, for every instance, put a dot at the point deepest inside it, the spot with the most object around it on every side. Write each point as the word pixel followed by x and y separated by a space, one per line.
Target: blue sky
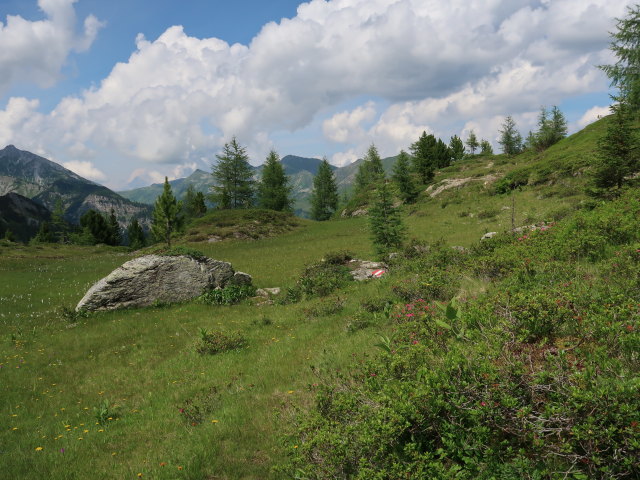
pixel 126 92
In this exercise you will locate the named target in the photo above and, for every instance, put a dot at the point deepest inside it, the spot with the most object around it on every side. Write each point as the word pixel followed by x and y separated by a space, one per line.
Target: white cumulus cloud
pixel 593 114
pixel 35 51
pixel 435 66
pixel 85 169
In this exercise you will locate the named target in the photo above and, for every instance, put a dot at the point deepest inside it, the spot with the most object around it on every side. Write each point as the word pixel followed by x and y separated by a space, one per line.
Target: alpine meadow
pixel 425 309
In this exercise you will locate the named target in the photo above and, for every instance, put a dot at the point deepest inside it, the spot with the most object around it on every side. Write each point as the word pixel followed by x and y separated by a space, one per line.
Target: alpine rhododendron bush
pixel 536 378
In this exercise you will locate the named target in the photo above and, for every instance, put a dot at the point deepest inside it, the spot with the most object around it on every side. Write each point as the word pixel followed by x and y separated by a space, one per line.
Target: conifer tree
pixel 166 217
pixel 96 228
pixel 472 142
pixel 485 147
pixel 387 229
pixel 193 205
pixel 551 129
pixel 404 180
pixel 114 235
pixel 136 234
pixel 274 190
pixel 510 138
pixel 424 163
pixel 370 171
pixel 234 178
pixel 59 225
pixel 442 154
pixel 44 235
pixel 625 45
pixel 618 152
pixel 324 198
pixel 456 148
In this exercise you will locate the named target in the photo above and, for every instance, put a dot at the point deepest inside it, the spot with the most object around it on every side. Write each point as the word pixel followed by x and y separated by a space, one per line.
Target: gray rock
pixel 241 278
pixel 363 269
pixel 489 235
pixel 266 292
pixel 153 278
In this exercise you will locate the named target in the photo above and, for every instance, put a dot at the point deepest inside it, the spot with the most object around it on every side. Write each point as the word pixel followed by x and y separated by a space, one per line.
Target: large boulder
pixel 153 278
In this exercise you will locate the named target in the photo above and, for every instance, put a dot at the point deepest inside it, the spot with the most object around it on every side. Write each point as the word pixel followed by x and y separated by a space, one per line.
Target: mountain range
pixel 301 171
pixel 45 182
pixel 31 185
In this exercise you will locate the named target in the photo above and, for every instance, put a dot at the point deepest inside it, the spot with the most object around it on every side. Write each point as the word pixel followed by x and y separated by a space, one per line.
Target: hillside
pixel 21 216
pixel 45 182
pixel 531 370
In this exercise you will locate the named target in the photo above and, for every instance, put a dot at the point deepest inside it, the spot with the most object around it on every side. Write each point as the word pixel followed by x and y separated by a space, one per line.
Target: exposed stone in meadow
pixel 489 235
pixel 153 278
pixel 364 269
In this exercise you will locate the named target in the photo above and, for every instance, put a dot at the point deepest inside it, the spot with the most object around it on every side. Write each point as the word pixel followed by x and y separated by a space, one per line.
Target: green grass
pixel 56 371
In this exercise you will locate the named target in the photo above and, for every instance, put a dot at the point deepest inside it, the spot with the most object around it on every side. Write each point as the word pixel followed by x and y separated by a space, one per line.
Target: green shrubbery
pixel 535 379
pixel 229 295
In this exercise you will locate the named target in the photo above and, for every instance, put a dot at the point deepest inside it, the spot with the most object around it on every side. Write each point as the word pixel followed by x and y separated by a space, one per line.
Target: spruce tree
pixel 44 235
pixel 166 217
pixel 404 180
pixel 618 153
pixel 136 234
pixel 274 190
pixel 324 198
pixel 114 235
pixel 370 171
pixel 472 142
pixel 193 205
pixel 456 148
pixel 424 163
pixel 510 138
pixel 442 154
pixel 234 178
pixel 96 228
pixel 387 229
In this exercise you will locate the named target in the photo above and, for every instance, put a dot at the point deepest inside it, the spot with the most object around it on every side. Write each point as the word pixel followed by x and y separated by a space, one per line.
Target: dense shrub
pixel 535 379
pixel 229 295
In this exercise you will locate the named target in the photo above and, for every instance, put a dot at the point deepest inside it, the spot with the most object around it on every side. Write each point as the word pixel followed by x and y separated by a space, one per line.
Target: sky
pixel 125 93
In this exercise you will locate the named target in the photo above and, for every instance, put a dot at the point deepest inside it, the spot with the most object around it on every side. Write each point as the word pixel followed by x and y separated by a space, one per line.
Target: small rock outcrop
pixel 154 278
pixel 363 269
pixel 489 235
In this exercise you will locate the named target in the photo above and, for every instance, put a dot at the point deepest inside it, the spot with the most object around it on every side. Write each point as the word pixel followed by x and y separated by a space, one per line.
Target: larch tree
pixel 485 147
pixel 625 45
pixel 234 178
pixel 472 142
pixel 370 171
pixel 510 138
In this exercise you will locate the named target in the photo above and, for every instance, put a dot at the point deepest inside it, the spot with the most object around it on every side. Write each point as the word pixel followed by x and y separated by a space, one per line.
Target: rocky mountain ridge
pixel 45 182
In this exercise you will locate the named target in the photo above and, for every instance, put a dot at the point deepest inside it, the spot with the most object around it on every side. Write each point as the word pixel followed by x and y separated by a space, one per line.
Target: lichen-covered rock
pixel 153 278
pixel 363 269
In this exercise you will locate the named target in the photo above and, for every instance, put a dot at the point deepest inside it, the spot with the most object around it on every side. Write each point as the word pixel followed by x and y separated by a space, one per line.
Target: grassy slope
pixel 55 373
